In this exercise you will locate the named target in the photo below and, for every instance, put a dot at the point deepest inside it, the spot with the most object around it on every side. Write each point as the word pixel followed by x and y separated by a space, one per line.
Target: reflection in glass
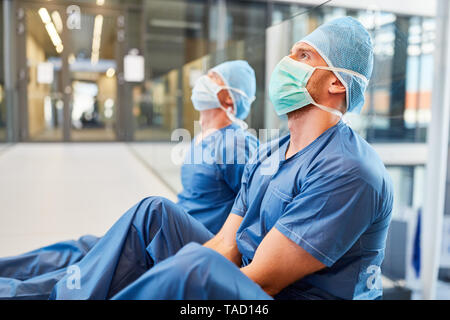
pixel 92 67
pixel 44 92
pixel 2 115
pixel 398 100
pixel 2 82
pixel 181 38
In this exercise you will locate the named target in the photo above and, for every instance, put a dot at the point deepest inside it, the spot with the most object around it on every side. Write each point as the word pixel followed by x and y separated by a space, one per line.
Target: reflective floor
pixel 91 134
pixel 54 192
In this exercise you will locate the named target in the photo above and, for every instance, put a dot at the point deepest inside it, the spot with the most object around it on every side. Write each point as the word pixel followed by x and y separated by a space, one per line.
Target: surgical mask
pixel 204 97
pixel 287 89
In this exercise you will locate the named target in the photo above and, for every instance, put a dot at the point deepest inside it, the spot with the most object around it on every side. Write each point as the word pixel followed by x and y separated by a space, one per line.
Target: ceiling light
pixel 110 72
pixel 72 58
pixel 51 29
pixel 57 21
pixel 59 48
pixel 97 38
pixel 45 17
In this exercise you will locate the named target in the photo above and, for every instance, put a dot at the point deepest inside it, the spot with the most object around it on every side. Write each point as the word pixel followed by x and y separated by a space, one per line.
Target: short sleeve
pixel 235 151
pixel 329 215
pixel 240 203
pixel 232 171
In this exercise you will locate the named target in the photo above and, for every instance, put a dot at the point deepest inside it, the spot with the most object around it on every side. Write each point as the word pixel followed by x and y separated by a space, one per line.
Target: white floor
pixel 158 156
pixel 54 192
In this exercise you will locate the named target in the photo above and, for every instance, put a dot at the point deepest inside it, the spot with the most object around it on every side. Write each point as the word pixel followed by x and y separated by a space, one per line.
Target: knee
pixel 154 212
pixel 155 201
pixel 194 254
pixel 193 264
pixel 155 205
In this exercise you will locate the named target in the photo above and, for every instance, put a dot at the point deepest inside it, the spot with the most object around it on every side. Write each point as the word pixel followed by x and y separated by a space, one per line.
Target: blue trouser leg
pixel 46 259
pixel 36 288
pixel 152 230
pixel 194 273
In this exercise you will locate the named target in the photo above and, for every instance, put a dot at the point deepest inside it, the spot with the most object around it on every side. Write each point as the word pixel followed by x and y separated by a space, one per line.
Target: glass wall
pixel 44 88
pixel 398 100
pixel 93 78
pixel 2 83
pixel 180 39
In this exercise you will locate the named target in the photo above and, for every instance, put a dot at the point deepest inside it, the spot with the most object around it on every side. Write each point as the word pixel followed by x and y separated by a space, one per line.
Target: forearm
pixel 225 241
pixel 228 250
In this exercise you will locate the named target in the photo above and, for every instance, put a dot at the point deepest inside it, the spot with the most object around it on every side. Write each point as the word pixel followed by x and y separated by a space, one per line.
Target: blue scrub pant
pixel 32 275
pixel 138 259
pixel 194 273
pixel 127 263
pixel 46 259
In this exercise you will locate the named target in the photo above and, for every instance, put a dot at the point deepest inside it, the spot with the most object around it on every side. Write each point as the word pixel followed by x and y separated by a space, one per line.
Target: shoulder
pixel 234 142
pixel 359 159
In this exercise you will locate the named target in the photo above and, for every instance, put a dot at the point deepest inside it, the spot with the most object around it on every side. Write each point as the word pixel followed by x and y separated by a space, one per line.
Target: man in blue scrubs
pixel 212 170
pixel 210 176
pixel 311 217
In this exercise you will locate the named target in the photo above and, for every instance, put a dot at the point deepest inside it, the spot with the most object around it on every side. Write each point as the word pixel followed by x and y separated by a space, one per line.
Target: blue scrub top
pixel 334 199
pixel 211 174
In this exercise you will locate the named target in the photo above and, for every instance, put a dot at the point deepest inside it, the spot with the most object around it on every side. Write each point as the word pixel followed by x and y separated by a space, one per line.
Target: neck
pixel 306 125
pixel 212 120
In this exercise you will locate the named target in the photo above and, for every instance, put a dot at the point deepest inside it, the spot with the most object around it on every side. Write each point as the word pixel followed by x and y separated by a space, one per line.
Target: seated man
pixel 312 228
pixel 210 180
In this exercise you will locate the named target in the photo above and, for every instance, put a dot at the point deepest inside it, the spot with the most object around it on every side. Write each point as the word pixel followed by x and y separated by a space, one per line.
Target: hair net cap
pixel 345 43
pixel 240 75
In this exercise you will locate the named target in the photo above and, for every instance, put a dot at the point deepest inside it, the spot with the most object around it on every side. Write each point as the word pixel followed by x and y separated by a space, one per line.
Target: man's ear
pixel 225 99
pixel 229 101
pixel 336 87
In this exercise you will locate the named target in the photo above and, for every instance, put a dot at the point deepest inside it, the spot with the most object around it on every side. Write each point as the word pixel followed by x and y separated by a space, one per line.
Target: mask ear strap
pixel 233 119
pixel 324 108
pixel 330 110
pixel 242 93
pixel 351 72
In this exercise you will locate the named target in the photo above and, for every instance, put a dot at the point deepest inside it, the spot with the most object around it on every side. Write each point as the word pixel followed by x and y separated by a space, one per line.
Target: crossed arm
pixel 278 261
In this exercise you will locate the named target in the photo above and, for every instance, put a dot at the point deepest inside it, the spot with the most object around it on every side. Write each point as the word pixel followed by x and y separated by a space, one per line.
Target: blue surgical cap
pixel 345 43
pixel 240 75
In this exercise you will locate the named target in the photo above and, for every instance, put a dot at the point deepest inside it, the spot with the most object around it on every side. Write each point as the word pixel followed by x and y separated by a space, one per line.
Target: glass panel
pixel 183 39
pixel 398 100
pixel 45 99
pixel 92 64
pixel 101 3
pixel 175 34
pixel 2 83
pixel 180 39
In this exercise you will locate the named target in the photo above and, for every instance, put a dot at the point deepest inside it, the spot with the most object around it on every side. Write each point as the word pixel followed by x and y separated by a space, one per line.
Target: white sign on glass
pixel 45 72
pixel 133 67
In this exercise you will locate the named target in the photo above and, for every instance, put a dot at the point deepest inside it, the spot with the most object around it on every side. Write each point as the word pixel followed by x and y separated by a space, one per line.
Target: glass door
pixel 44 76
pixel 68 71
pixel 93 76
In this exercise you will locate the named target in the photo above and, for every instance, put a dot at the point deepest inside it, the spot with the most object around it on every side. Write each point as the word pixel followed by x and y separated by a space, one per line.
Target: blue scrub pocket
pixel 273 206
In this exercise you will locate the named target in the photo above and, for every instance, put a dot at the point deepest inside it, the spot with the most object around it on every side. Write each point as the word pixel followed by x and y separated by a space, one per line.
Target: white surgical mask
pixel 204 97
